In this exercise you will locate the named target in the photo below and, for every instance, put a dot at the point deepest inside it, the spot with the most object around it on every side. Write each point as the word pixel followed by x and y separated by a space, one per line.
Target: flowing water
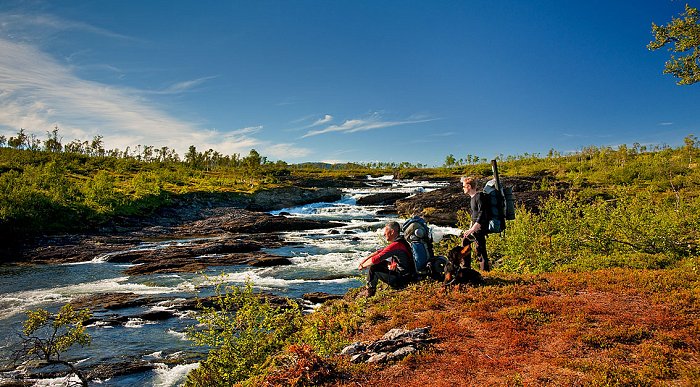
pixel 323 261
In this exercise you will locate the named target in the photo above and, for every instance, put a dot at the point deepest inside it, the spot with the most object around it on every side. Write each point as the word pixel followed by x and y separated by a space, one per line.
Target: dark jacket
pixel 480 210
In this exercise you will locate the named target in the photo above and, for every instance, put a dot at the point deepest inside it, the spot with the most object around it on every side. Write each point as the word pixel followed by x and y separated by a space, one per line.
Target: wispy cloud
pixel 29 26
pixel 374 121
pixel 37 92
pixel 665 123
pixel 184 86
pixel 245 131
pixel 326 119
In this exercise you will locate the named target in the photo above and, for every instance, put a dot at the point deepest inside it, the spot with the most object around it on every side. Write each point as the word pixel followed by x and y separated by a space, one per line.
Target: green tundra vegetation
pixel 50 187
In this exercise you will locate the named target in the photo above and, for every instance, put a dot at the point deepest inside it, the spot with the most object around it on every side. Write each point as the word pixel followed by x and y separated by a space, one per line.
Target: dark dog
pixel 458 269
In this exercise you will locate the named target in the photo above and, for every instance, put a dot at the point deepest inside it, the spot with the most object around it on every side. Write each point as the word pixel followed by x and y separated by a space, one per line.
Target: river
pixel 323 261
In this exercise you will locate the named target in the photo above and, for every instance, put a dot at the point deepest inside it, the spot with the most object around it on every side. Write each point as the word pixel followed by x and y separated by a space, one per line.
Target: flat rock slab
pixel 238 221
pixel 189 264
pixel 383 198
pixel 110 301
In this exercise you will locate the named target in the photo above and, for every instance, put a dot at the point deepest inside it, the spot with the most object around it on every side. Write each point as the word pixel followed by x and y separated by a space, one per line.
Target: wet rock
pixel 320 297
pixel 270 261
pixel 278 198
pixel 391 210
pixel 237 221
pixel 382 198
pixel 125 367
pixel 394 345
pixel 188 264
pixel 157 315
pixel 194 249
pixel 110 301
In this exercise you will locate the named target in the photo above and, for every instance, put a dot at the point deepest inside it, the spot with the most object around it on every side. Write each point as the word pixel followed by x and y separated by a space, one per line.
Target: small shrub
pixel 245 332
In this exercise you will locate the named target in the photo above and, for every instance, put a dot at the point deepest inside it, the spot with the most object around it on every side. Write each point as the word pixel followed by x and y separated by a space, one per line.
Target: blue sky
pixel 343 80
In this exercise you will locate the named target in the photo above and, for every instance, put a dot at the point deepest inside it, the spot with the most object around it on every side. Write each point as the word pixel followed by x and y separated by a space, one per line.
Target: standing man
pixel 480 221
pixel 392 264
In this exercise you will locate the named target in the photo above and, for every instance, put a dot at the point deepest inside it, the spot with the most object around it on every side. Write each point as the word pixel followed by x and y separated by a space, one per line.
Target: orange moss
pixel 608 327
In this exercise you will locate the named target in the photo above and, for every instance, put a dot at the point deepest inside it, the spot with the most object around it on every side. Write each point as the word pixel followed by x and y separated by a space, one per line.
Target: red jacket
pixel 386 252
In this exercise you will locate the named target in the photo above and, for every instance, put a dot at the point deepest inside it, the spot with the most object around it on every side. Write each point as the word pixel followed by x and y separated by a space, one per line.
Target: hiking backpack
pixel 499 206
pixel 417 234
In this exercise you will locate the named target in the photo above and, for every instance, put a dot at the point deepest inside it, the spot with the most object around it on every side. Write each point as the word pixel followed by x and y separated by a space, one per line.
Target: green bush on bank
pixel 248 337
pixel 635 228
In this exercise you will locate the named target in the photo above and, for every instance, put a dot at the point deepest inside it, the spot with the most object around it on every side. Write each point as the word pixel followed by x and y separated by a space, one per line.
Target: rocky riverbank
pixel 235 227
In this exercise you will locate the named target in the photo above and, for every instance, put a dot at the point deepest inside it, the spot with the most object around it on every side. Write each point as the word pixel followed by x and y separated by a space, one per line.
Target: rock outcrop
pixel 394 345
pixel 382 198
pixel 440 206
pixel 278 198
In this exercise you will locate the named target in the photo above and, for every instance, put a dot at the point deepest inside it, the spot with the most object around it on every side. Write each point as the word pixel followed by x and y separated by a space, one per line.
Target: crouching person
pixel 392 264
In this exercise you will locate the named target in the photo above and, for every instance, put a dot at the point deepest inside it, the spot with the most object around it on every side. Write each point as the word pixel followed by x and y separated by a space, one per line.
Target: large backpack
pixel 417 234
pixel 498 202
pixel 496 208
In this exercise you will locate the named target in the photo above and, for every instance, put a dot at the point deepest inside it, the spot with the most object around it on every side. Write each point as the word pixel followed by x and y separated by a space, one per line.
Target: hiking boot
pixel 371 292
pixel 367 292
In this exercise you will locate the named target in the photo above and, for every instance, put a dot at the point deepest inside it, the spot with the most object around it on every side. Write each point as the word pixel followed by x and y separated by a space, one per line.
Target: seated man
pixel 392 264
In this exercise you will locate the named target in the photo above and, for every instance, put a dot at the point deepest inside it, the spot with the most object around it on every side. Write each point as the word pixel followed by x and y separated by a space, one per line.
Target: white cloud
pixel 37 93
pixel 183 86
pixel 374 121
pixel 247 130
pixel 326 119
pixel 29 26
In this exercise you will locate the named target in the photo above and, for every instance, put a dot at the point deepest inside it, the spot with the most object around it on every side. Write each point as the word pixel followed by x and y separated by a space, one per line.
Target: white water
pixel 323 260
